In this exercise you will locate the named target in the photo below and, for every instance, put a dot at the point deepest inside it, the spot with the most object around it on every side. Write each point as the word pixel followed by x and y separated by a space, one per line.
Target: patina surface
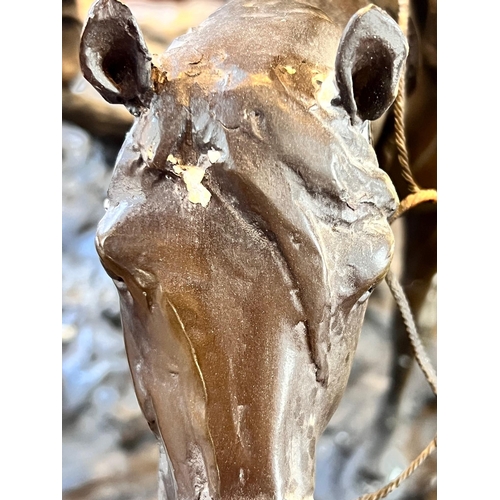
pixel 246 227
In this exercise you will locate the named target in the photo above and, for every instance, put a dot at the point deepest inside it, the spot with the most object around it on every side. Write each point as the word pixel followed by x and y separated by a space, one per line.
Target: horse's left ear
pixel 114 57
pixel 370 58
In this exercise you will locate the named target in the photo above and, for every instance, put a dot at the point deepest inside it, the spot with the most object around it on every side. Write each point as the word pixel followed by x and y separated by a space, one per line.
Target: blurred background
pixel 108 450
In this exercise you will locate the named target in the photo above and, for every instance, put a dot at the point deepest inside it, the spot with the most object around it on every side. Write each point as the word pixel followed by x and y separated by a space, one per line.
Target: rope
pixel 412 200
pixel 399 109
pixel 416 196
pixel 418 348
pixel 400 137
pixel 382 493
pixel 430 374
pixel 403 14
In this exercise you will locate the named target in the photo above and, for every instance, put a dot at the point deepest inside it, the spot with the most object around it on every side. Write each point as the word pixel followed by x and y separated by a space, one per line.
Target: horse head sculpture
pixel 246 226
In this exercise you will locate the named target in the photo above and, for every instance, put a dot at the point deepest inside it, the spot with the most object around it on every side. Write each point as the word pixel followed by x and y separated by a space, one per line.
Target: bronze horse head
pixel 246 226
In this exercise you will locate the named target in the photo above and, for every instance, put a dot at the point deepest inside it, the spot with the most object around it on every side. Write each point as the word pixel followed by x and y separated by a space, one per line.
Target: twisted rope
pixel 418 348
pixel 382 493
pixel 412 200
pixel 430 374
pixel 400 137
pixel 416 196
pixel 399 109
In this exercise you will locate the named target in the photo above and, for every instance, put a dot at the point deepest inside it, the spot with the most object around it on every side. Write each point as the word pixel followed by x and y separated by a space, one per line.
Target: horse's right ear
pixel 369 63
pixel 114 57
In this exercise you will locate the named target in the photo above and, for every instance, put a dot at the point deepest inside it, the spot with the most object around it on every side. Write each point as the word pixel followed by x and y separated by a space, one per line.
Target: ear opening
pixel 372 76
pixel 114 57
pixel 369 63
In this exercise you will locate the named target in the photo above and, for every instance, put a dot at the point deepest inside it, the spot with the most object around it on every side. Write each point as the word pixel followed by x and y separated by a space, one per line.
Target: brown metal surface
pixel 247 225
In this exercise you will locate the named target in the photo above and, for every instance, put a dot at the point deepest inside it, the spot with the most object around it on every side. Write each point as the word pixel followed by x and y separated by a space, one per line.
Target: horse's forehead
pixel 272 31
pixel 285 80
pixel 285 45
